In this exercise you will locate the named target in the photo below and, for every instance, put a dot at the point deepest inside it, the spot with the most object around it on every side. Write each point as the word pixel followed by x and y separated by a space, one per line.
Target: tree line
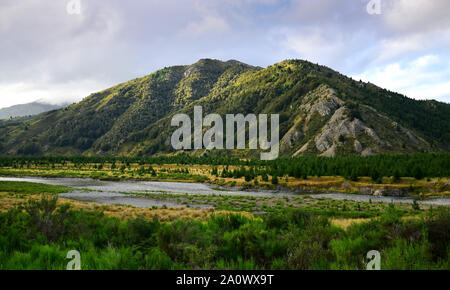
pixel 419 165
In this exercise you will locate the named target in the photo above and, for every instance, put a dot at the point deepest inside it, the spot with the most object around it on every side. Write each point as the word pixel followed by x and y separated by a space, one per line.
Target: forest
pixel 418 165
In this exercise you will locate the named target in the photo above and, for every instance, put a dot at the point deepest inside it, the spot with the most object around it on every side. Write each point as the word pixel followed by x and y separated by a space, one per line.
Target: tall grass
pixel 288 239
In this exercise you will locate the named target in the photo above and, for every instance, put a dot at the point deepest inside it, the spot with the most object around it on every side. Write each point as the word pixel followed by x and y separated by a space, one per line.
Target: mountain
pixel 26 110
pixel 322 112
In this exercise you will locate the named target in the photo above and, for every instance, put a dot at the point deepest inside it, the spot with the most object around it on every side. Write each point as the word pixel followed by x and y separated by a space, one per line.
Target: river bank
pixel 151 194
pixel 401 187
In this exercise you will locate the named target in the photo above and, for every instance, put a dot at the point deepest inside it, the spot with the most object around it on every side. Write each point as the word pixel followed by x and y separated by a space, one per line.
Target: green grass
pixel 31 188
pixel 263 204
pixel 288 239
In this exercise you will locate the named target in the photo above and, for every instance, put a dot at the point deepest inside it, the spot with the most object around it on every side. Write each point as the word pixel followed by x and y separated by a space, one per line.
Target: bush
pixel 274 180
pixel 287 239
pixel 46 217
pixel 438 225
pixel 405 256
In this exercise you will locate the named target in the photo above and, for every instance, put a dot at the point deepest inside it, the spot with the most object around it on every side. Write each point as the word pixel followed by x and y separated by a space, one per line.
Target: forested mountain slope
pixel 322 112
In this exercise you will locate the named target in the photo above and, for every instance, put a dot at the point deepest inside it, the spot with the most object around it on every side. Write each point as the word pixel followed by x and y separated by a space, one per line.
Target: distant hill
pixel 26 110
pixel 322 112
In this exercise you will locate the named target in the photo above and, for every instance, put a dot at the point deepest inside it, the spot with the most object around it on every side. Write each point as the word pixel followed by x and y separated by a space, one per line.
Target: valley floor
pixel 37 229
pixel 390 186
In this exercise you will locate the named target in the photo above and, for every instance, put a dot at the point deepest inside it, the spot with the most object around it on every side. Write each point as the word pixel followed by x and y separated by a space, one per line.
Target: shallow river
pixel 113 192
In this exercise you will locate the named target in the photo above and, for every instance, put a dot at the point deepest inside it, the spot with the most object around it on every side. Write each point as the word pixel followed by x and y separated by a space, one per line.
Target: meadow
pixel 37 229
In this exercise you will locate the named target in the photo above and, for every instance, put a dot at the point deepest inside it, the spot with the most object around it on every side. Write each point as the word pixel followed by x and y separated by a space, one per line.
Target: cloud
pixel 312 44
pixel 426 77
pixel 418 16
pixel 59 93
pixel 206 26
pixel 46 53
pixel 413 28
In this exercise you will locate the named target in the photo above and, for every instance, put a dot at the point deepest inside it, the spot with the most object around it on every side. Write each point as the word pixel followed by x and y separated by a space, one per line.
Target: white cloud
pixel 415 16
pixel 21 93
pixel 312 44
pixel 206 26
pixel 47 53
pixel 412 28
pixel 425 61
pixel 426 77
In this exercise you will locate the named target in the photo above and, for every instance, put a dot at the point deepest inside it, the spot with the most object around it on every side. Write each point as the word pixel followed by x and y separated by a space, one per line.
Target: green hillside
pixel 322 112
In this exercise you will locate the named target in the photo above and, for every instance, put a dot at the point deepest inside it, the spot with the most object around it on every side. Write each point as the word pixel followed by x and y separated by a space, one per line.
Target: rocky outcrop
pixel 190 71
pixel 378 192
pixel 339 130
pixel 367 152
pixel 358 146
pixel 291 137
pixel 323 100
pixel 301 150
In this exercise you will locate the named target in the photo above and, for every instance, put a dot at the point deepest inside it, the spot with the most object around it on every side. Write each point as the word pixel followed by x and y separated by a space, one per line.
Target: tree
pixel 274 180
pixel 396 176
pixel 354 175
pixel 418 173
pixel 264 177
pixel 375 175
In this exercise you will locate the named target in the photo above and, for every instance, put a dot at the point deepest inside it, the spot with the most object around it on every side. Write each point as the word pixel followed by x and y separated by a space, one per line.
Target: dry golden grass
pixel 345 223
pixel 8 201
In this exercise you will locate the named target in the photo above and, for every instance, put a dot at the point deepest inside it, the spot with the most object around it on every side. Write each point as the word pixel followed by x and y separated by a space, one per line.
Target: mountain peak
pixel 28 109
pixel 322 112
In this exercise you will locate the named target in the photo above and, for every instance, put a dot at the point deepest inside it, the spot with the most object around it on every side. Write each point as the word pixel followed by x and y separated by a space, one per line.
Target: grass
pixel 289 239
pixel 345 223
pixel 264 204
pixel 15 193
pixel 236 232
pixel 31 188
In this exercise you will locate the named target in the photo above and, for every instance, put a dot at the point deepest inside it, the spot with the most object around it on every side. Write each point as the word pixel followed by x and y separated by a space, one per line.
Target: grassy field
pixel 31 188
pixel 14 194
pixel 37 229
pixel 272 204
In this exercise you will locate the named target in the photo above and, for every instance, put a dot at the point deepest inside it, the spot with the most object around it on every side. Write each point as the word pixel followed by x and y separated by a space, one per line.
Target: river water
pixel 113 192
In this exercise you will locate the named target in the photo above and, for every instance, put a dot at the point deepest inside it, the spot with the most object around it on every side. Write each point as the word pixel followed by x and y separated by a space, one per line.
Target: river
pixel 119 192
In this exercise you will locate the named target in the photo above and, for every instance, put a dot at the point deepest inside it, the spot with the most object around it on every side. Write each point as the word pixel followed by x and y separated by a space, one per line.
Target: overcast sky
pixel 47 53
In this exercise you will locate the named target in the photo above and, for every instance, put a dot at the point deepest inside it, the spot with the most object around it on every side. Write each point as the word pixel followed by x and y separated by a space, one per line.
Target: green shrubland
pixel 288 239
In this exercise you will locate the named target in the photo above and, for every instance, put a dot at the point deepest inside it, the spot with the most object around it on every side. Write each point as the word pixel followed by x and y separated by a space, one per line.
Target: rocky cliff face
pixel 328 126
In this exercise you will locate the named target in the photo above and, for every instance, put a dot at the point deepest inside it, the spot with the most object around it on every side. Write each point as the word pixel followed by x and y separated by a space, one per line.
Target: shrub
pixel 48 219
pixel 274 180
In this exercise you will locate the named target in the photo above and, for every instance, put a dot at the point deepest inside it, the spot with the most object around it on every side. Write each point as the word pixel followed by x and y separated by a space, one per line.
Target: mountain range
pixel 322 112
pixel 26 110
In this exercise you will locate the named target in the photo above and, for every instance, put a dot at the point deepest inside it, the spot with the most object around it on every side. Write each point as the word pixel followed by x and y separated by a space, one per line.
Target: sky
pixel 61 51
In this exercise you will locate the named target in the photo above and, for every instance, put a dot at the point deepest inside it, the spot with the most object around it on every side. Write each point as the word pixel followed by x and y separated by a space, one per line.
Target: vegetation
pixel 414 165
pixel 31 188
pixel 273 204
pixel 122 133
pixel 289 239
